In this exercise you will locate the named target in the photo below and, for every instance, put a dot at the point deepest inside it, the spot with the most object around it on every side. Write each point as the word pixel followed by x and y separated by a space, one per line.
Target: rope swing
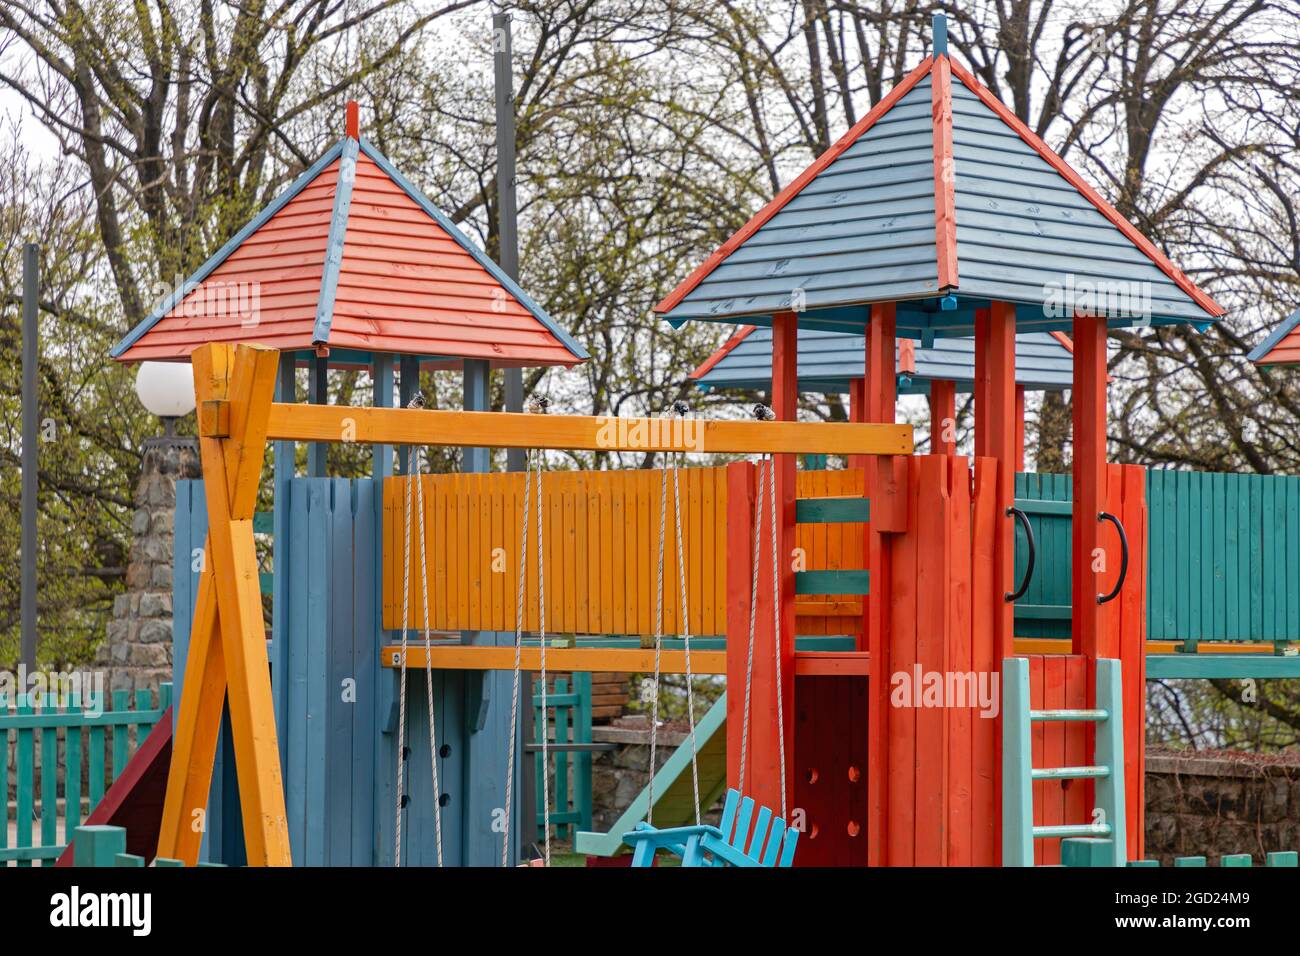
pixel 415 495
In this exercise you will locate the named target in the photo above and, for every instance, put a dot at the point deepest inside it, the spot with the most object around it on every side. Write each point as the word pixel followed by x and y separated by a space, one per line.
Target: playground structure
pixel 938 217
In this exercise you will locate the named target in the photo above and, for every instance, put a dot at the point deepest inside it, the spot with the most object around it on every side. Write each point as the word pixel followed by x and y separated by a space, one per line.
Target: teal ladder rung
pixel 841 581
pixel 1069 773
pixel 845 510
pixel 1072 830
pixel 1067 716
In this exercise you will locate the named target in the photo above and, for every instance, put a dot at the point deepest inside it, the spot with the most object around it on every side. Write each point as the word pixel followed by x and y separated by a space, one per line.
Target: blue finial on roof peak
pixel 939 34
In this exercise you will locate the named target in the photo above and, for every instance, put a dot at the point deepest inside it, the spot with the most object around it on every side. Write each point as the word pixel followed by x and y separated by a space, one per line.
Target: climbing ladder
pixel 1019 773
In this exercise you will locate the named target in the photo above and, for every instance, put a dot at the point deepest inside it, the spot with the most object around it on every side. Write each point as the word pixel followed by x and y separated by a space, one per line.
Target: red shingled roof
pixel 402 279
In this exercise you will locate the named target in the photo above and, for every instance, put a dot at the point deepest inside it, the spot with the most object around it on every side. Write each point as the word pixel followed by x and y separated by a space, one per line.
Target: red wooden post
pixel 995 377
pixel 880 397
pixel 858 413
pixel 1020 428
pixel 943 418
pixel 740 564
pixel 1088 619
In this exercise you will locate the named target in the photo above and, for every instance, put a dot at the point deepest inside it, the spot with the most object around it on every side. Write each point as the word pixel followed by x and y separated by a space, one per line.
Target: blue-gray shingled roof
pixel 828 361
pixel 862 230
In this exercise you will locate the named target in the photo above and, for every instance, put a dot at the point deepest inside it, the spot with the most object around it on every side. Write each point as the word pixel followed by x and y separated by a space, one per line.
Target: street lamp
pixel 166 389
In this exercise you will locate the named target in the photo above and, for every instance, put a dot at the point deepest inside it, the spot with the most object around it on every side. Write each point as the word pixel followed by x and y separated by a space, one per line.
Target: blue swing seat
pixel 725 845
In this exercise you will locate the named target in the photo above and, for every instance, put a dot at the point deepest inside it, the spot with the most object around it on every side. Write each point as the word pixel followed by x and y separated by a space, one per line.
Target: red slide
pixel 135 800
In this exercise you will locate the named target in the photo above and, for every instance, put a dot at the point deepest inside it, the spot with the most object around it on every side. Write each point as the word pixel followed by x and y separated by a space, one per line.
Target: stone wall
pixel 138 651
pixel 1212 803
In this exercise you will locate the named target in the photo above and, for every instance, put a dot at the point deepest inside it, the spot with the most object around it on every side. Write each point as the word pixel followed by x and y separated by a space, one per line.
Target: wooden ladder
pixel 1019 773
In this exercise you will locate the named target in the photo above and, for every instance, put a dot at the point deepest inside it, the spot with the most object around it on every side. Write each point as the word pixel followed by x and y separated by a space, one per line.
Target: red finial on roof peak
pixel 353 128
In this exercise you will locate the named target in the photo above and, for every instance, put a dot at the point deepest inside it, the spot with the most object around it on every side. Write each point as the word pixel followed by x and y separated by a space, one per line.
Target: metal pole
pixel 508 257
pixel 507 210
pixel 31 422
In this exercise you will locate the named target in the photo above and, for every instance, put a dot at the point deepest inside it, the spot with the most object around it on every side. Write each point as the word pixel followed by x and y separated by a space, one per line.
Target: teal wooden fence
pixel 1224 557
pixel 65 736
pixel 570 706
pixel 1044 610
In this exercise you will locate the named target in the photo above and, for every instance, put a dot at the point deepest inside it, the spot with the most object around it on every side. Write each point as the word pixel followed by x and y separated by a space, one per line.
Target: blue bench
pixel 772 843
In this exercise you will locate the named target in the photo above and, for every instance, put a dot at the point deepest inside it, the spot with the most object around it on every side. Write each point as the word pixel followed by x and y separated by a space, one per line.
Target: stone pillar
pixel 138 652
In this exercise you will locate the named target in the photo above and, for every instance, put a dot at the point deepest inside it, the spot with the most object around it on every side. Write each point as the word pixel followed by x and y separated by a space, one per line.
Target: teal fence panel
pixel 53 791
pixel 1044 610
pixel 1223 561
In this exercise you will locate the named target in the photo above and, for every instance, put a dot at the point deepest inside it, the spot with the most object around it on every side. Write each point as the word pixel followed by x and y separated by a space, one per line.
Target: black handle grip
pixel 1033 554
pixel 1123 557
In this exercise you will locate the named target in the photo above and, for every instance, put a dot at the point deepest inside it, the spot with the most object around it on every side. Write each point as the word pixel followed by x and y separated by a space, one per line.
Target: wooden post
pixel 228 639
pixel 995 401
pixel 741 479
pixel 943 417
pixel 880 398
pixel 319 392
pixel 1087 622
pixel 1020 428
pixel 858 413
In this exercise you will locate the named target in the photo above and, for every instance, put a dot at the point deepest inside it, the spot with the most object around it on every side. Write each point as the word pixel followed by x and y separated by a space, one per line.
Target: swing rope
pixel 414 489
pixel 679 409
pixel 541 636
pixel 763 413
pixel 537 407
pixel 519 640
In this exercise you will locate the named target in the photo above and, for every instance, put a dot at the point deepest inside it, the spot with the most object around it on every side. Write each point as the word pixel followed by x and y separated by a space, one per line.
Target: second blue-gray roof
pixel 941 201
pixel 828 361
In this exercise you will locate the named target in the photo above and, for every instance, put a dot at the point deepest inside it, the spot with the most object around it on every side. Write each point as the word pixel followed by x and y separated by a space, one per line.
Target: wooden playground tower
pixel 939 214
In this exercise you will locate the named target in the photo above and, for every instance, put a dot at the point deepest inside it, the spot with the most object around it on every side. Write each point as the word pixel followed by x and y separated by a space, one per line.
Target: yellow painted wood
pixel 244 377
pixel 397 426
pixel 602 552
pixel 198 723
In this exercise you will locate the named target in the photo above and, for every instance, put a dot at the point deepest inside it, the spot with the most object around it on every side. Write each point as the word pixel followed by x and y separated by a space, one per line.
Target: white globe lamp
pixel 166 389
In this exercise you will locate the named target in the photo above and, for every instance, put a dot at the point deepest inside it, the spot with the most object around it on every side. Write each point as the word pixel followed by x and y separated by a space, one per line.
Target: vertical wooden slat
pixel 25 770
pixel 960 743
pixel 4 772
pixel 49 780
pixel 932 628
pixel 986 734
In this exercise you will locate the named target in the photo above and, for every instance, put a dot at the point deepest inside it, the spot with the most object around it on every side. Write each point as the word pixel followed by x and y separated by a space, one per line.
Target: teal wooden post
pixel 72 769
pixel 128 860
pixel 1017 767
pixel 49 779
pixel 1110 753
pixel 562 712
pixel 1086 851
pixel 166 862
pixel 1189 861
pixel 1236 859
pixel 120 731
pixel 582 734
pixel 26 778
pixel 4 776
pixel 1283 858
pixel 98 845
